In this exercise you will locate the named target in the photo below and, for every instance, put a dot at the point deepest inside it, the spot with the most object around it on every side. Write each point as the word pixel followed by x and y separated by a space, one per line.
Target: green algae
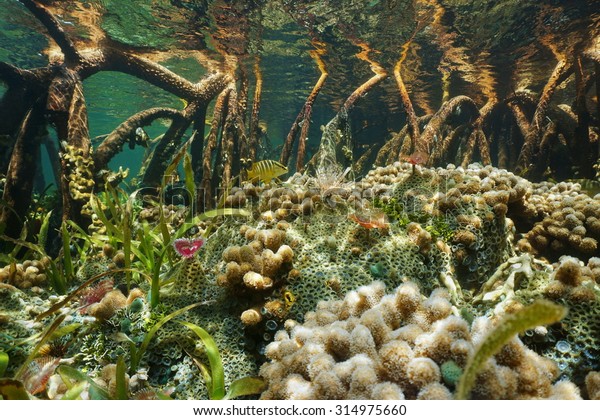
pixel 437 226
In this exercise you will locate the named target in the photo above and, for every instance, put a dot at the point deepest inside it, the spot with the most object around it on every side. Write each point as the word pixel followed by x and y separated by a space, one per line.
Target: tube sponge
pixel 256 281
pixel 569 272
pixel 387 391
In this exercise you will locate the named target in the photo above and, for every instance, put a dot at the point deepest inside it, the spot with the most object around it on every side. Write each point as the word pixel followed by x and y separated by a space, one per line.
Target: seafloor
pixel 387 304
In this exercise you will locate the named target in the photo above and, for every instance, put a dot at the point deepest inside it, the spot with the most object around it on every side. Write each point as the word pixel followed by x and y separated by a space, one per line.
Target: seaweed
pixel 215 378
pixel 437 226
pixel 540 312
pixel 73 379
pixel 3 362
pixel 137 354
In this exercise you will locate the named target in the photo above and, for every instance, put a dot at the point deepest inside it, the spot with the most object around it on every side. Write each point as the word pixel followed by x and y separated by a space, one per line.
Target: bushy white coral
pixel 376 346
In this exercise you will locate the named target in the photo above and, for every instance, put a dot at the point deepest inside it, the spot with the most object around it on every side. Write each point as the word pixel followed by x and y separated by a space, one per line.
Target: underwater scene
pixel 299 199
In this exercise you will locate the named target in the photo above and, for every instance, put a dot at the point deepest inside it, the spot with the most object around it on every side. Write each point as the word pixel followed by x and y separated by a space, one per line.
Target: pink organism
pixel 370 219
pixel 188 247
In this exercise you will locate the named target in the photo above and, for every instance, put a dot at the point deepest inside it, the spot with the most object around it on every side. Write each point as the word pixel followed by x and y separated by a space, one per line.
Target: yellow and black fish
pixel 266 170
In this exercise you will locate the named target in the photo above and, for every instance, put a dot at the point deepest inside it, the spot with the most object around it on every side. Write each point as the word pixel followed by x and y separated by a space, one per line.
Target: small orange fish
pixel 417 158
pixel 373 219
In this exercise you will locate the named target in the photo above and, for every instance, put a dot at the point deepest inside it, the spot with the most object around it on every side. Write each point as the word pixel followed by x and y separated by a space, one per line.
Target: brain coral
pixel 373 346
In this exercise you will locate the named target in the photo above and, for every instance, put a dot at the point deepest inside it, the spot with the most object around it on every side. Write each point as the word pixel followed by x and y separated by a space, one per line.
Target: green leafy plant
pixel 392 208
pixel 540 312
pixel 437 226
pixel 215 377
pixel 121 380
pixel 3 362
pixel 11 389
pixel 76 380
pixel 138 353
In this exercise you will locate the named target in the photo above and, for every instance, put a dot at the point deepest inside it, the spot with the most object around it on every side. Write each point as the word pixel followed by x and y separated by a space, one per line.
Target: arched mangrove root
pixel 217 123
pixel 113 143
pixel 477 137
pixel 302 121
pixel 530 148
pixel 429 138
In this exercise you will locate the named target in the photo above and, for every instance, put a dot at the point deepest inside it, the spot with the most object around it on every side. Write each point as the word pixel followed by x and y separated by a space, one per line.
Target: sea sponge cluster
pixel 570 222
pixel 173 215
pixel 79 174
pixel 497 186
pixel 397 346
pixel 285 203
pixel 29 273
pixel 112 302
pixel 259 270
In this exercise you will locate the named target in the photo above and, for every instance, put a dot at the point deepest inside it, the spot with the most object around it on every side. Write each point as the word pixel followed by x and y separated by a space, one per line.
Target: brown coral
pixel 592 384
